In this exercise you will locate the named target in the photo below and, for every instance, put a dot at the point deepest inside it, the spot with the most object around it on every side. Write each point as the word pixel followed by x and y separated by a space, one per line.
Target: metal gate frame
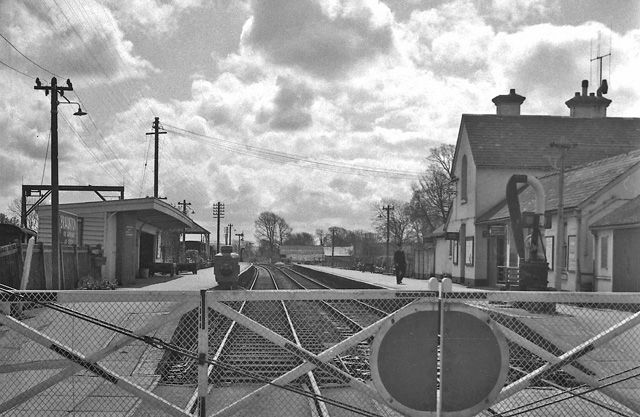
pixel 72 361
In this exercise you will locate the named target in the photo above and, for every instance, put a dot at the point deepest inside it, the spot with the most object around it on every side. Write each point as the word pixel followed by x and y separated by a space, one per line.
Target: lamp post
pixel 240 236
pixel 54 90
pixel 388 208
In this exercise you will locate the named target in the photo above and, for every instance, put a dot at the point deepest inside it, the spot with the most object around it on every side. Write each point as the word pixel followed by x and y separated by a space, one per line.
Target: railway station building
pixel 474 249
pixel 129 232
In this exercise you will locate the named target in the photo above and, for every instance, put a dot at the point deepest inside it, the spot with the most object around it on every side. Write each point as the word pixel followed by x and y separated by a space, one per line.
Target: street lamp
pixel 54 90
pixel 240 236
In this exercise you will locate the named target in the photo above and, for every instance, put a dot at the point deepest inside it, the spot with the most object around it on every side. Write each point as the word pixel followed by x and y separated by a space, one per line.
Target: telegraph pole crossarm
pixel 218 212
pixel 156 132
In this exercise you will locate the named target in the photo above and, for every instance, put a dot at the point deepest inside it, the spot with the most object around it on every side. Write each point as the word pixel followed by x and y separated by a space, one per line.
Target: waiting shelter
pixel 129 231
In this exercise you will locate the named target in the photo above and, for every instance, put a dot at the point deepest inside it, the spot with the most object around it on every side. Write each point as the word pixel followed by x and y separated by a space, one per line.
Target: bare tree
pixel 4 219
pixel 442 157
pixel 266 228
pixel 399 220
pixel 283 230
pixel 15 208
pixel 434 192
pixel 271 228
pixel 303 238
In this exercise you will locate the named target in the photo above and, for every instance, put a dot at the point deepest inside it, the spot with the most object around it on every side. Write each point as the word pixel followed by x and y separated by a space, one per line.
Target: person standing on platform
pixel 400 264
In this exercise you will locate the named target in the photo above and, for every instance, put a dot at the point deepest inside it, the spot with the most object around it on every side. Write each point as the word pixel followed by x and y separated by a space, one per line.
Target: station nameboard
pixel 68 228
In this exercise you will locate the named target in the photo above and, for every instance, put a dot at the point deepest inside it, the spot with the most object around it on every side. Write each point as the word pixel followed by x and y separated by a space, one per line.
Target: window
pixel 463 180
pixel 469 251
pixel 604 252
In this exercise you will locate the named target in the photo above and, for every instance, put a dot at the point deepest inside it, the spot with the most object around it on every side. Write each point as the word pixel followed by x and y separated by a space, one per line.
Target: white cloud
pixel 153 16
pixel 326 40
pixel 87 44
pixel 298 84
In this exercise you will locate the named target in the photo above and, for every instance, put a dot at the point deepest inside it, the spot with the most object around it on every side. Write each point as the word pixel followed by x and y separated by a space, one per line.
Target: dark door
pixel 626 262
pixel 147 253
pixel 497 258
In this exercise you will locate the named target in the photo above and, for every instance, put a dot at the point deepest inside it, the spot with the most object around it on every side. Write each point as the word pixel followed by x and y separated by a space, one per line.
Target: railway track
pixel 314 325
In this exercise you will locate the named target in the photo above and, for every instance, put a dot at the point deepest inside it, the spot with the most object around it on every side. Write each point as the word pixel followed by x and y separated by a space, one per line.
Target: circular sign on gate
pixel 405 368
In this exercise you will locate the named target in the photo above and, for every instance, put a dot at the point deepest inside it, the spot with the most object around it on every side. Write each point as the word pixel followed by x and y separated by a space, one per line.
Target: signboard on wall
pixel 68 228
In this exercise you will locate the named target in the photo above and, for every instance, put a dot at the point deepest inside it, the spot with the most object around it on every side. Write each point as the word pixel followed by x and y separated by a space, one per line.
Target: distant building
pixel 491 148
pixel 339 256
pixel 301 254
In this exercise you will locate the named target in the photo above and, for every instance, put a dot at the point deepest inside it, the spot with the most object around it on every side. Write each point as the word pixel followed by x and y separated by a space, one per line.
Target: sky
pixel 312 109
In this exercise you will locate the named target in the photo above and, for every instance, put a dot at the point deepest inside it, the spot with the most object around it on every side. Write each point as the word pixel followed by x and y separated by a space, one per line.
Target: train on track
pixel 226 268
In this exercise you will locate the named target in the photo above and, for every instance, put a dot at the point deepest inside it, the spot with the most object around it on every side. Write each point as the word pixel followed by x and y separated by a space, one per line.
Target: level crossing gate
pixel 144 353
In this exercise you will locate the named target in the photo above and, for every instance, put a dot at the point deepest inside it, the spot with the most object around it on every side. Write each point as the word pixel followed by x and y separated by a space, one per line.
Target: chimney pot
pixel 587 105
pixel 585 86
pixel 508 104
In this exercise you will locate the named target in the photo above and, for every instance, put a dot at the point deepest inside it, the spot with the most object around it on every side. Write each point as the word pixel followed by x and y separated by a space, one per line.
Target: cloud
pixel 153 16
pixel 515 12
pixel 324 39
pixel 291 105
pixel 94 49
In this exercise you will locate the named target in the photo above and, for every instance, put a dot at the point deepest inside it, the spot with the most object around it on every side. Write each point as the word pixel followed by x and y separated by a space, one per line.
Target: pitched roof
pixel 524 141
pixel 579 184
pixel 626 215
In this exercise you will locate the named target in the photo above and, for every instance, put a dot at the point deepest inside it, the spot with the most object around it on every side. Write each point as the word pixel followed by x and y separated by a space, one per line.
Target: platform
pixel 384 280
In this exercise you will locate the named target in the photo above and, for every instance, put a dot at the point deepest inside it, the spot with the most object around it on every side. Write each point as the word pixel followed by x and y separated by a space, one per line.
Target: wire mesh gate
pixel 291 353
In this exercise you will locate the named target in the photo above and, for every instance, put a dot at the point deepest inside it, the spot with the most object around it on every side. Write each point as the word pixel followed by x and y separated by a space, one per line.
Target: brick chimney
pixel 508 104
pixel 589 105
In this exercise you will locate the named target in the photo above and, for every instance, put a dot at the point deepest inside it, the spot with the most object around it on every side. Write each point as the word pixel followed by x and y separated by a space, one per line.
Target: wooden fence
pixel 76 265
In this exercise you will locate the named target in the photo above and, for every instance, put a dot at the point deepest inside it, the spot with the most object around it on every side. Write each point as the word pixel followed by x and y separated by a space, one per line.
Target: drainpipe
pixel 578 285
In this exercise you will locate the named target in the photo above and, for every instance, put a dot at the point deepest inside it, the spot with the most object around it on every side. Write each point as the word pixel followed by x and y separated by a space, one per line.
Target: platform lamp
pixel 54 89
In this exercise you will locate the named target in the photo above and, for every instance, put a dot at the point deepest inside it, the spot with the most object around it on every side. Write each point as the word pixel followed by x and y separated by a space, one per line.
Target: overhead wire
pixel 121 168
pixel 46 156
pixel 16 70
pixel 88 148
pixel 279 156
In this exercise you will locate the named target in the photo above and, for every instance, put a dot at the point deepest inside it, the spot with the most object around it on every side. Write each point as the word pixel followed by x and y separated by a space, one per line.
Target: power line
pixel 27 58
pixel 17 70
pixel 121 169
pixel 279 156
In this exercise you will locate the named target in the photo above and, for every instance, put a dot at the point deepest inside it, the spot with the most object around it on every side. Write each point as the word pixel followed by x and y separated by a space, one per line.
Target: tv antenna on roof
pixel 599 58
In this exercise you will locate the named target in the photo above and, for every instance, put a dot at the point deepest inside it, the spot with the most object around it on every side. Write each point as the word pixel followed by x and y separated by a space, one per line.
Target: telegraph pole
pixel 54 90
pixel 564 147
pixel 388 209
pixel 218 212
pixel 240 235
pixel 184 205
pixel 229 234
pixel 333 245
pixel 156 133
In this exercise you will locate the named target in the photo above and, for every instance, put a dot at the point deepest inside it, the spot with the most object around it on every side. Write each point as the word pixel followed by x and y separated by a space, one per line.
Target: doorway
pixel 147 252
pixel 496 259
